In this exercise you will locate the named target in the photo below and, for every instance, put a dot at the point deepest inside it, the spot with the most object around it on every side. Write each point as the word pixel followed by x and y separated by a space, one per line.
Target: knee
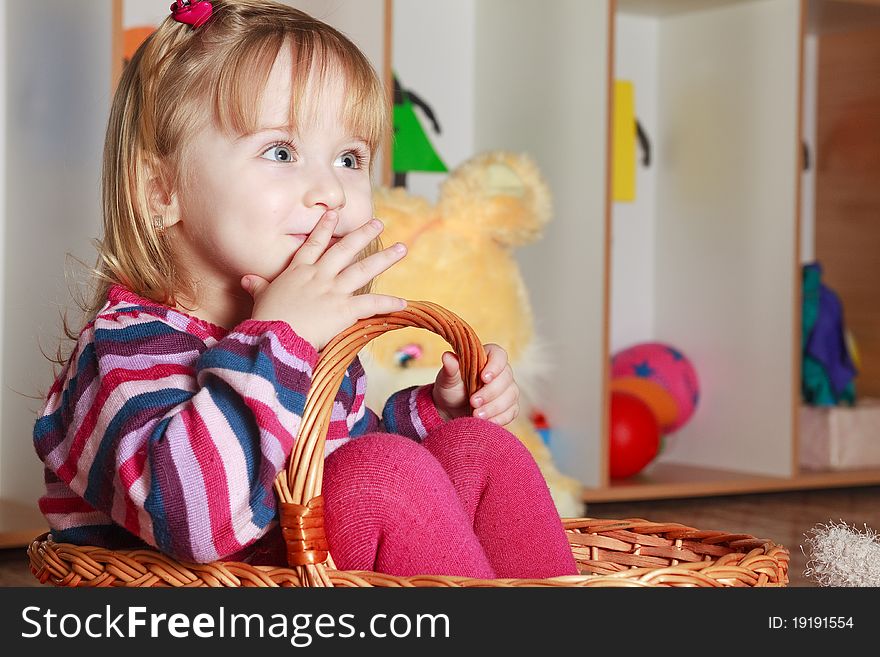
pixel 374 451
pixel 480 437
pixel 378 464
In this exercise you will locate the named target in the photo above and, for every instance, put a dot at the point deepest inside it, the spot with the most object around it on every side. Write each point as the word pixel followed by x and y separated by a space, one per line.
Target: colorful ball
pixel 665 365
pixel 634 435
pixel 653 394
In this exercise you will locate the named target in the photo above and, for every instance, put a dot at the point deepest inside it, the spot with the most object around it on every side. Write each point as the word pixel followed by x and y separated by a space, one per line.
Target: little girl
pixel 238 241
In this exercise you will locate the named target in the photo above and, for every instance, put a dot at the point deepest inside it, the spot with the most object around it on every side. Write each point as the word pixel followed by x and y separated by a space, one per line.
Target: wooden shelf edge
pixel 20 523
pixel 676 481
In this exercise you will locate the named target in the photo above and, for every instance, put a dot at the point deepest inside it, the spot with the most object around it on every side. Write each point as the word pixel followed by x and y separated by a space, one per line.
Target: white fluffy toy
pixel 840 555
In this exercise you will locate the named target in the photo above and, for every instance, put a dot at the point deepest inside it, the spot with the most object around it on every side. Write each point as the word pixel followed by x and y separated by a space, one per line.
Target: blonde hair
pixel 181 77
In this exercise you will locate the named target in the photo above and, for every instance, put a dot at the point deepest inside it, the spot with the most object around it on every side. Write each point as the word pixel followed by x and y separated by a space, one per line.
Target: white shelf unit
pixel 726 278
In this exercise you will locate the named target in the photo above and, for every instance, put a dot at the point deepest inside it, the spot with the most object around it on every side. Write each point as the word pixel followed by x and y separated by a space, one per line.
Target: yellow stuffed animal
pixel 461 257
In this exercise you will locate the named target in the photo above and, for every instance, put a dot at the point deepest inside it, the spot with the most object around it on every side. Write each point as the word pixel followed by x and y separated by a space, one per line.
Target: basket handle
pixel 299 486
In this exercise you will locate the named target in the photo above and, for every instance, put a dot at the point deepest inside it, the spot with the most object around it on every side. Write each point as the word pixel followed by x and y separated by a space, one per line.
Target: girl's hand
pixel 496 401
pixel 315 294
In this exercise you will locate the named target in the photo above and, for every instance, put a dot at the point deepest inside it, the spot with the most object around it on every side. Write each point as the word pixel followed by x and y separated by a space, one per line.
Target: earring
pixel 158 223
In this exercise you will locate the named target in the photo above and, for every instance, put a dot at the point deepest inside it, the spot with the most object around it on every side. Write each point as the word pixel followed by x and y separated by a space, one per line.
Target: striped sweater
pixel 168 430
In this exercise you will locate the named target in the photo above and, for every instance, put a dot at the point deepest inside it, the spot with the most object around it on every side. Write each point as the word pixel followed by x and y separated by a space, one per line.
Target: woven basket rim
pixel 64 564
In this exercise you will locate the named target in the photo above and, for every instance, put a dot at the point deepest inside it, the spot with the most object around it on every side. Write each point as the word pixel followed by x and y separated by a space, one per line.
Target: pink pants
pixel 468 501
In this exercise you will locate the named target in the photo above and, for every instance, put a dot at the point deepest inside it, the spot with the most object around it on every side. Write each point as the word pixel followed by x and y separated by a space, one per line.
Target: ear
pixel 500 194
pixel 162 197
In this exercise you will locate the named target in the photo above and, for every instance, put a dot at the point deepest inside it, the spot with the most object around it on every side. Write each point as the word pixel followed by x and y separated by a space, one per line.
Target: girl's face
pixel 251 202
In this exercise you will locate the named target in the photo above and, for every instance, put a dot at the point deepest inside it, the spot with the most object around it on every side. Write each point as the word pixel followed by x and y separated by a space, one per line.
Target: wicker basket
pixel 608 552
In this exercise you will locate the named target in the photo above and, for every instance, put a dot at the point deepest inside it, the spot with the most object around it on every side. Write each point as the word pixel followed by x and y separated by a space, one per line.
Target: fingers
pixel 254 284
pixel 497 389
pixel 506 417
pixel 495 363
pixel 449 378
pixel 367 305
pixel 341 254
pixel 491 391
pixel 502 409
pixel 311 250
pixel 359 273
pixel 450 363
pixel 339 260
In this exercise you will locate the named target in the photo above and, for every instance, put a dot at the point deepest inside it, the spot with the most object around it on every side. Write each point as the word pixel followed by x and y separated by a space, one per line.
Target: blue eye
pixel 351 160
pixel 279 153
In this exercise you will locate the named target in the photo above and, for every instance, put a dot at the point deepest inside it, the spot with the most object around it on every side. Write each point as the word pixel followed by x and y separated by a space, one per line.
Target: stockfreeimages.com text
pixel 300 629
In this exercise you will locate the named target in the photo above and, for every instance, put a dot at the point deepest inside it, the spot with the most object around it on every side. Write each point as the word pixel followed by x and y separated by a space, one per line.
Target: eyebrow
pixel 290 129
pixel 259 131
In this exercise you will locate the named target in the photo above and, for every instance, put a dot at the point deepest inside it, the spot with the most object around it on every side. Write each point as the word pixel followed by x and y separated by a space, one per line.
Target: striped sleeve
pixel 411 412
pixel 176 441
pixel 350 417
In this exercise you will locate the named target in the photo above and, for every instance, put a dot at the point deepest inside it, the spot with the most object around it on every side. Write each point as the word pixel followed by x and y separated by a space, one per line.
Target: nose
pixel 324 188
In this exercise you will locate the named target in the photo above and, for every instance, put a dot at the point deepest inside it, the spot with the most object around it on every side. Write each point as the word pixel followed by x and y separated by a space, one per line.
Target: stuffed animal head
pixel 461 256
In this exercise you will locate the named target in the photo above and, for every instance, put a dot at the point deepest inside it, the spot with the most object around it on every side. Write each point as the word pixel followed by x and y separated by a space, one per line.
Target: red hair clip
pixel 195 14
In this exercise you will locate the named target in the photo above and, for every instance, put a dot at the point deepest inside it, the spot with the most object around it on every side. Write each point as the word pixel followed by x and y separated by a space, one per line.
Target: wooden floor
pixel 785 518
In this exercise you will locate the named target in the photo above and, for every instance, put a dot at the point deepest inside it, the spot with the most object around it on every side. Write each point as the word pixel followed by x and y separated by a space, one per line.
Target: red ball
pixel 635 435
